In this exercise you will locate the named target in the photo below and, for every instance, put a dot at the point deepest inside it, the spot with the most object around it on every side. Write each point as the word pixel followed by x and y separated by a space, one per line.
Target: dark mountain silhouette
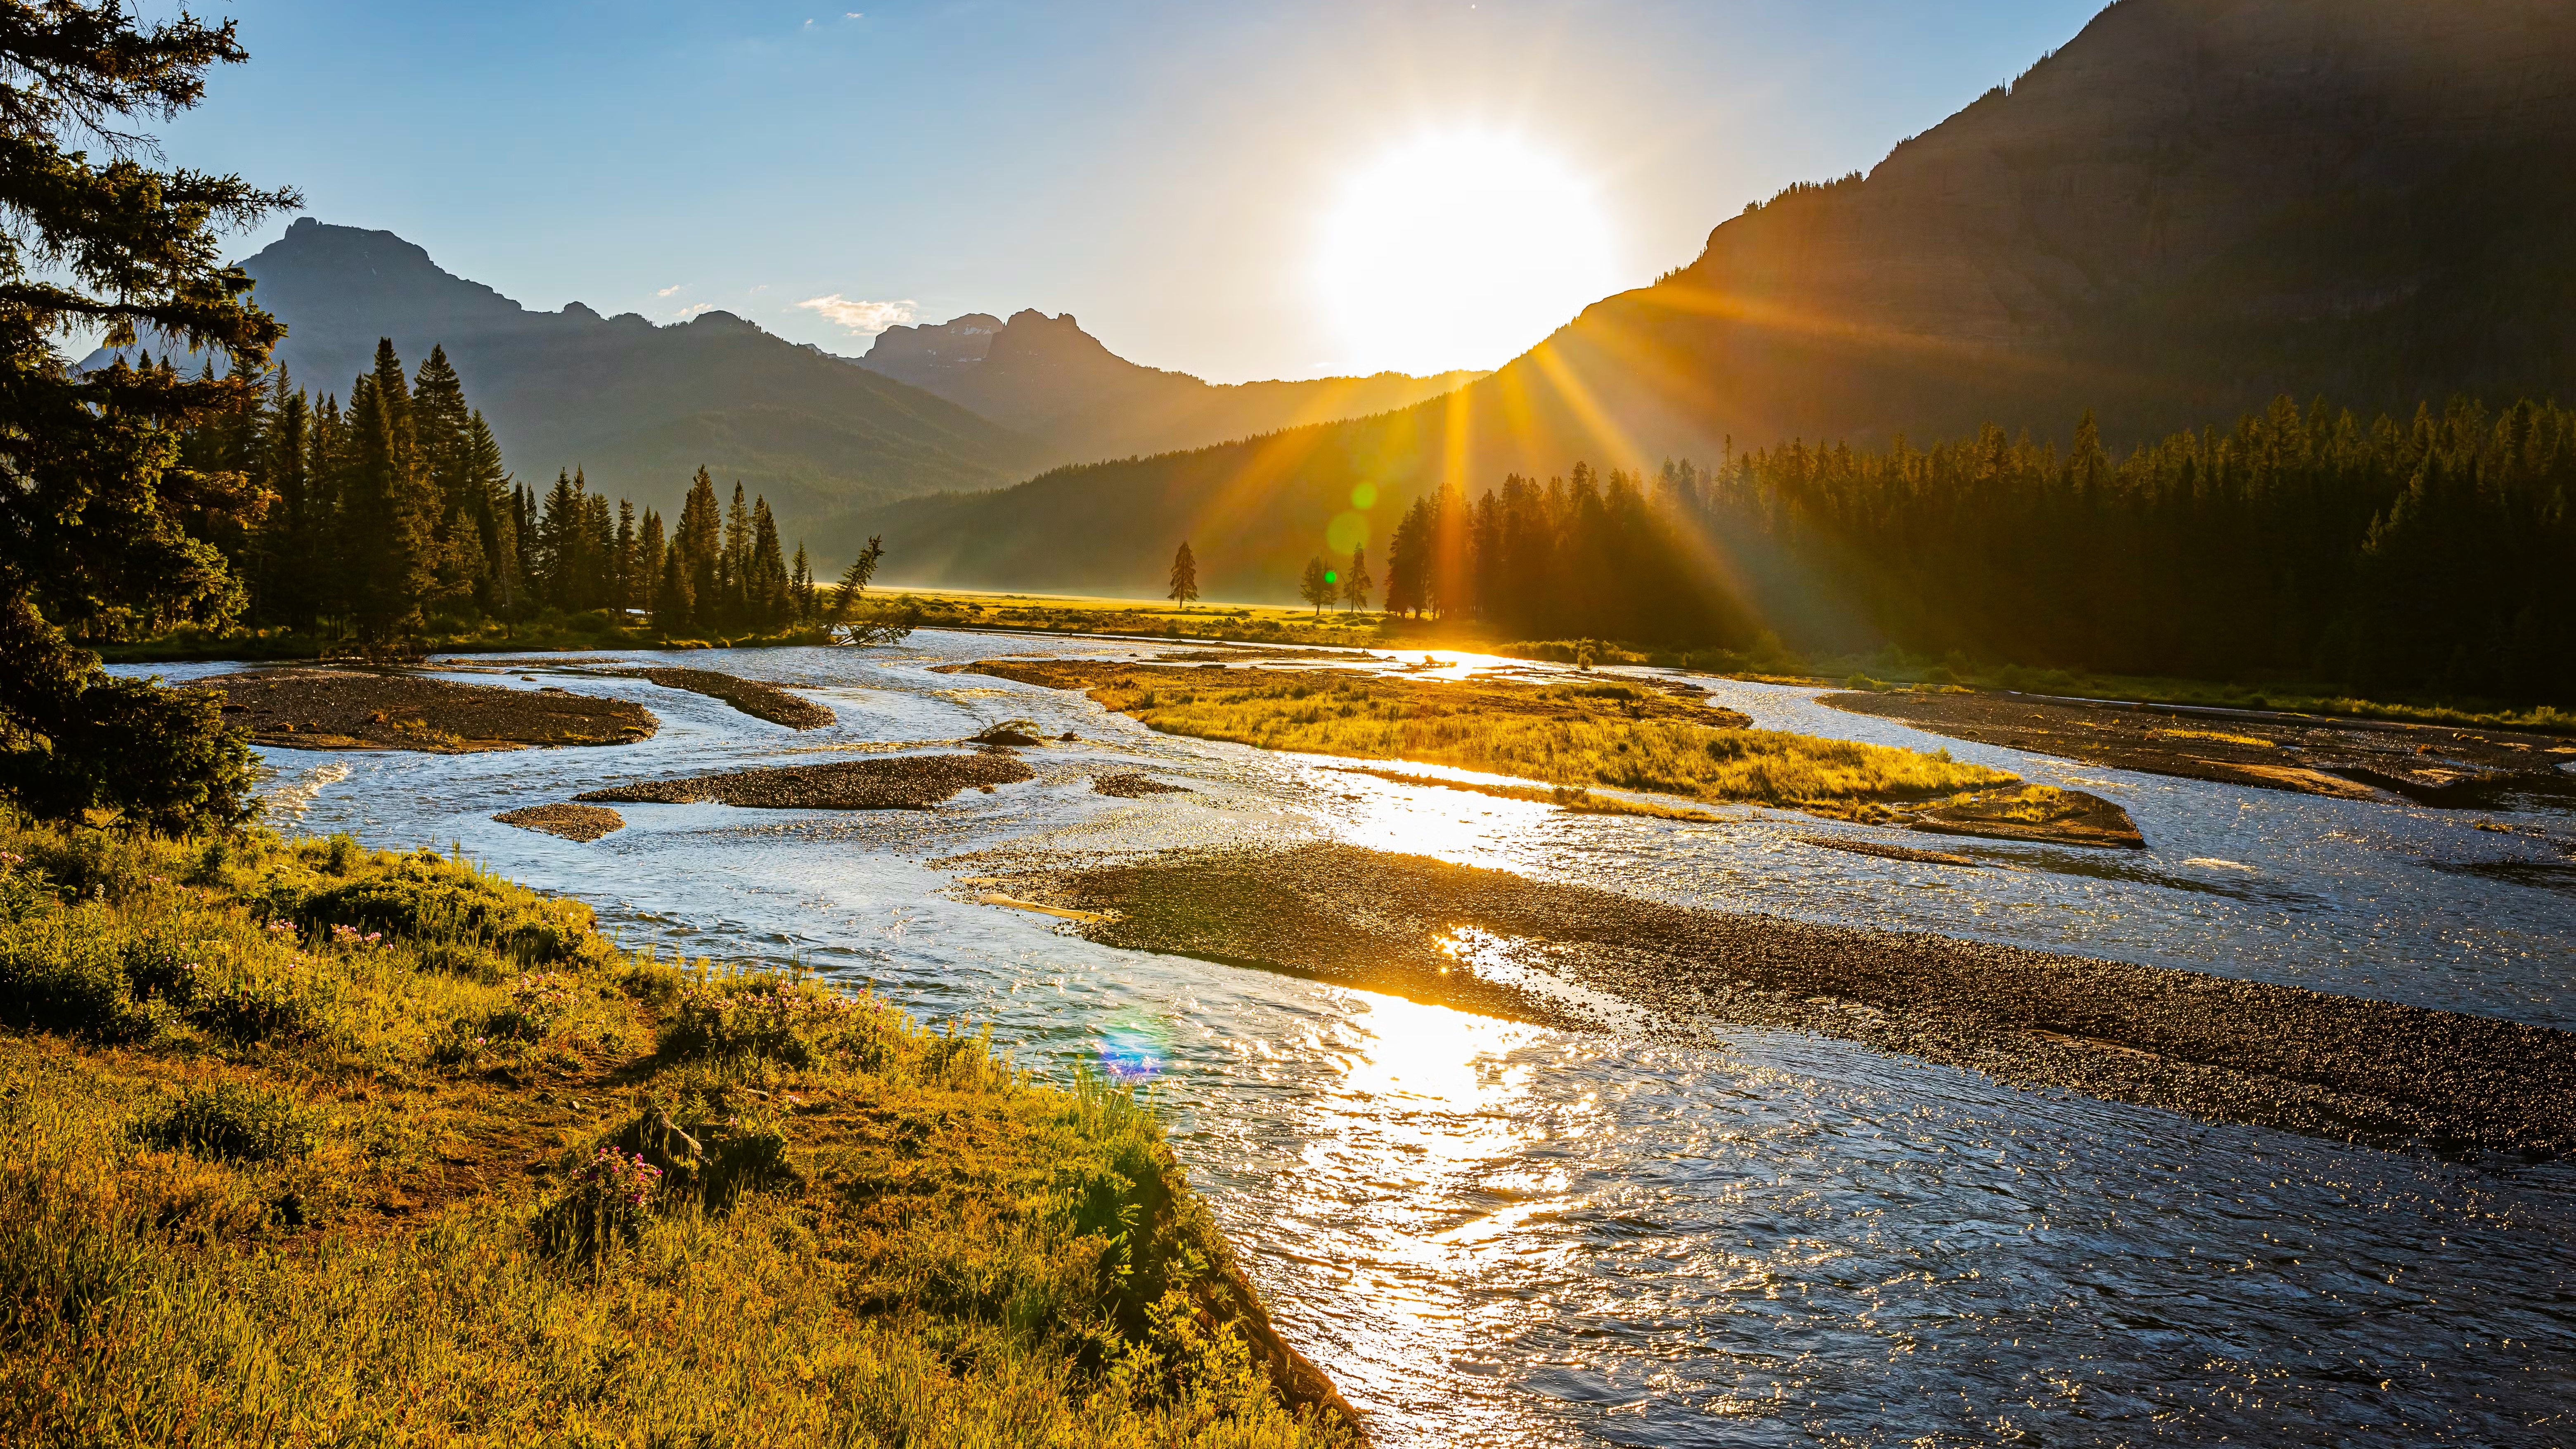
pixel 2193 206
pixel 1046 377
pixel 638 407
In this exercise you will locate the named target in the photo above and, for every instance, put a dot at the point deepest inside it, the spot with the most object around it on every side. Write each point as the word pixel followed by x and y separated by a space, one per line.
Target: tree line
pixel 2433 553
pixel 395 510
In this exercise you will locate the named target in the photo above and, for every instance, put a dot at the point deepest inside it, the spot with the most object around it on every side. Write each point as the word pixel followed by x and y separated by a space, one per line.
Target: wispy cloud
pixel 864 318
pixel 685 313
pixel 666 291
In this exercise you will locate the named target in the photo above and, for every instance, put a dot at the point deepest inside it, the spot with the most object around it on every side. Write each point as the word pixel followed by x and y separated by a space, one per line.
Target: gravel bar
pixel 2211 1046
pixel 364 709
pixel 761 701
pixel 899 782
pixel 584 823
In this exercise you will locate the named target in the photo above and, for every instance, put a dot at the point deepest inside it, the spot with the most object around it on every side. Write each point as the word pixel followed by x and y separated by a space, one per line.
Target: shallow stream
pixel 1493 1233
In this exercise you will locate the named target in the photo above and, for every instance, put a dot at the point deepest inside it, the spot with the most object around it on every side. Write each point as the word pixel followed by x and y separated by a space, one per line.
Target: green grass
pixel 305 1144
pixel 1607 734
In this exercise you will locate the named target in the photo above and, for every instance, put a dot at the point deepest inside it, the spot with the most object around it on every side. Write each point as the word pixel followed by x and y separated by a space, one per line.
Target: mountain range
pixel 2190 208
pixel 639 407
pixel 1046 377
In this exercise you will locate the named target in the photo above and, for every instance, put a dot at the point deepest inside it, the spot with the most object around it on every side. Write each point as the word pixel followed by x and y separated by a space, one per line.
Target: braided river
pixel 1489 1232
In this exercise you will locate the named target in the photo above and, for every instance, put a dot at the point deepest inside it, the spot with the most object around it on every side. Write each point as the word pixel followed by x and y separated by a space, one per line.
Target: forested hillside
pixel 2194 206
pixel 2436 553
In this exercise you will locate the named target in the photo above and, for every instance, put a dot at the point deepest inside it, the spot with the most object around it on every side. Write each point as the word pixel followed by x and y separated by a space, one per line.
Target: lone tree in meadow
pixel 1356 583
pixel 99 515
pixel 1185 577
pixel 1318 586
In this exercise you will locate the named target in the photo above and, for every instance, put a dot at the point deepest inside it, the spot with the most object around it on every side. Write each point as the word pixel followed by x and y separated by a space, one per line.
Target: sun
pixel 1460 249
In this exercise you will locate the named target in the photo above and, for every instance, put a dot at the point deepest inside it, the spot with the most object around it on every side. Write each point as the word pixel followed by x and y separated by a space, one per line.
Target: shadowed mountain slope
pixel 1046 377
pixel 639 407
pixel 2195 205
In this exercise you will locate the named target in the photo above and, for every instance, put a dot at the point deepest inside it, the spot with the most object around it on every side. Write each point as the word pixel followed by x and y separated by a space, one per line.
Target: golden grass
pixel 1600 733
pixel 913 1243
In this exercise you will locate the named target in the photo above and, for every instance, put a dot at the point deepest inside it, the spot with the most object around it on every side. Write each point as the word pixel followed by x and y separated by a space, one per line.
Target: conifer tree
pixel 698 539
pixel 649 563
pixel 1185 576
pixel 622 551
pixel 767 587
pixel 1356 582
pixel 1316 585
pixel 855 579
pixel 91 536
pixel 488 496
pixel 800 586
pixel 391 509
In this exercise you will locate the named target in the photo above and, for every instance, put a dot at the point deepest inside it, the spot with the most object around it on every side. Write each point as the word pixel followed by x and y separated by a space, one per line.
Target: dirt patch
pixel 2210 1046
pixel 1129 785
pixel 584 823
pixel 2347 759
pixel 903 782
pixel 761 701
pixel 354 709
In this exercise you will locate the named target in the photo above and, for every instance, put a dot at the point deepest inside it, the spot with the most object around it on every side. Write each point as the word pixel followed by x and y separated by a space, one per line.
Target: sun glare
pixel 1460 249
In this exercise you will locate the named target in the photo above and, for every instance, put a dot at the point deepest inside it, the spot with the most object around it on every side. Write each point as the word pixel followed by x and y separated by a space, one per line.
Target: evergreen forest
pixel 2431 554
pixel 392 515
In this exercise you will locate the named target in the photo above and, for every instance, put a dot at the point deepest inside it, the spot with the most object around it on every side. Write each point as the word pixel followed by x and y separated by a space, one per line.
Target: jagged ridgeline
pixel 394 515
pixel 2433 554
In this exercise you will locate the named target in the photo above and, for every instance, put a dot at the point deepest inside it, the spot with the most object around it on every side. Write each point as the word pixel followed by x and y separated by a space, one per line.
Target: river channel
pixel 1494 1233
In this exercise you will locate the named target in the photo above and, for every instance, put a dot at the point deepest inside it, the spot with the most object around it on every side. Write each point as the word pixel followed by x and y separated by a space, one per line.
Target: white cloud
pixel 666 291
pixel 685 313
pixel 864 318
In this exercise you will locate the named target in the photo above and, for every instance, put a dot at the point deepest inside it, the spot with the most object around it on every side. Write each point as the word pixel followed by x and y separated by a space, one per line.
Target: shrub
pixel 247 1013
pixel 538 1004
pixel 233 1122
pixel 604 1208
pixel 157 969
pixel 424 898
pixel 62 973
pixel 758 1016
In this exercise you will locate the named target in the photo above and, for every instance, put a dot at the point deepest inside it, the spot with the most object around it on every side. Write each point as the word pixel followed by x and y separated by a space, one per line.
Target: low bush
pixel 765 1017
pixel 603 1208
pixel 232 1122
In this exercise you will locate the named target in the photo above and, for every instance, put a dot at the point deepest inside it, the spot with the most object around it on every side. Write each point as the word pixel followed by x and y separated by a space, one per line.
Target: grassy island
pixel 1614 734
pixel 305 1144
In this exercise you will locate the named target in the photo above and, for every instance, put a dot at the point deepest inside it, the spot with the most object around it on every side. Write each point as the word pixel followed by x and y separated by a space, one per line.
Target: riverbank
pixel 1503 944
pixel 311 1144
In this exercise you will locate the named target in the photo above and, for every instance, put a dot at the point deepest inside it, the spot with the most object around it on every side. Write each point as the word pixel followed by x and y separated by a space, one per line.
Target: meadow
pixel 304 1144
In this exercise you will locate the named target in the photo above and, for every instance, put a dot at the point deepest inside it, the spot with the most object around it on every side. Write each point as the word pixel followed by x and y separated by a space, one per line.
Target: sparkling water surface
pixel 1493 1233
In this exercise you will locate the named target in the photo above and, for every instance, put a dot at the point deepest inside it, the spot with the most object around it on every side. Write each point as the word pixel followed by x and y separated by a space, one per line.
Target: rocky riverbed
pixel 365 709
pixel 899 782
pixel 2315 755
pixel 1499 943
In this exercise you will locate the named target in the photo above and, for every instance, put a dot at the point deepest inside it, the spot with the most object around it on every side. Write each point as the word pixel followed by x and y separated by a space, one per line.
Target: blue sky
pixel 1160 169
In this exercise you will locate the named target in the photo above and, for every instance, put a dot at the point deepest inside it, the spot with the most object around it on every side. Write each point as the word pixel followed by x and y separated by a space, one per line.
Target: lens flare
pixel 1135 1047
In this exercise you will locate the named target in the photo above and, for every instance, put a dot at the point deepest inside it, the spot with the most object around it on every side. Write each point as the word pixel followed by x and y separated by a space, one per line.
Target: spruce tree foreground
pixel 103 521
